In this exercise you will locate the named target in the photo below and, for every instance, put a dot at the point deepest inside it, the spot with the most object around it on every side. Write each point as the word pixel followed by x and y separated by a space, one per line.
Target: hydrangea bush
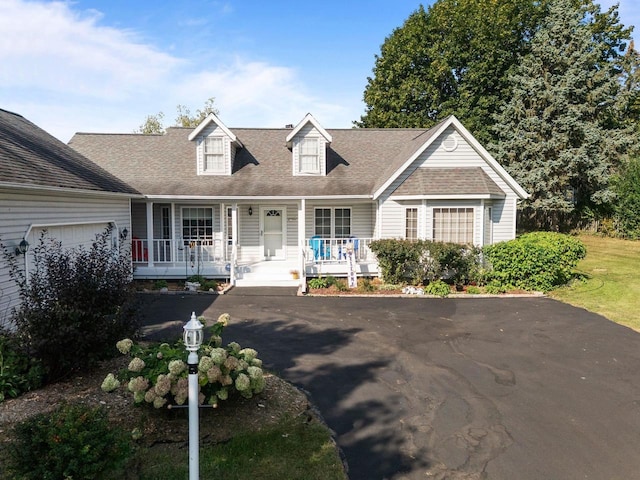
pixel 157 374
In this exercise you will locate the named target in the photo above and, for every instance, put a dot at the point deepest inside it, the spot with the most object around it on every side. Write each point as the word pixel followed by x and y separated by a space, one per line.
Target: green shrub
pixel 159 284
pixel 396 258
pixel 319 282
pixel 341 285
pixel 473 290
pixel 196 279
pixel 439 288
pixel 19 372
pixel 365 285
pixel 76 304
pixel 73 441
pixel 421 262
pixel 157 374
pixel 535 261
pixel 209 285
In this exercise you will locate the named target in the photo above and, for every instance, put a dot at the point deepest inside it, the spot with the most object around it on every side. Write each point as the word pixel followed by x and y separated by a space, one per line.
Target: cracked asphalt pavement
pixel 417 388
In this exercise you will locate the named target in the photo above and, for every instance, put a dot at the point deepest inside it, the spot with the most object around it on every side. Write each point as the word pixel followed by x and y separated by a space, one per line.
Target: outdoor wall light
pixel 22 248
pixel 250 211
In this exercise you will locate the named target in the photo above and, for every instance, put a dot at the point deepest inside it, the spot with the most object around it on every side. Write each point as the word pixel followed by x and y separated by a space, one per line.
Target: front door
pixel 273 232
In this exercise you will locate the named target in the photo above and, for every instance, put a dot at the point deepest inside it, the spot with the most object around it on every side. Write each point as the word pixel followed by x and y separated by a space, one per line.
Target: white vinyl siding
pixel 463 156
pixel 23 208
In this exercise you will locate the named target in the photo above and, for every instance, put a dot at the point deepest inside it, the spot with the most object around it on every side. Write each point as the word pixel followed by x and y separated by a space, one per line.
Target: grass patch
pixel 292 449
pixel 610 280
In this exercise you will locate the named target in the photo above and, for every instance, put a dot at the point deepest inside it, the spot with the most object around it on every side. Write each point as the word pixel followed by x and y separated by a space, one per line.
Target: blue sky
pixel 103 65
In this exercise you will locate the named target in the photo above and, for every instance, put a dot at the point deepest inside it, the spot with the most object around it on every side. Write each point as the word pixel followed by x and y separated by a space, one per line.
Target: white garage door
pixel 69 235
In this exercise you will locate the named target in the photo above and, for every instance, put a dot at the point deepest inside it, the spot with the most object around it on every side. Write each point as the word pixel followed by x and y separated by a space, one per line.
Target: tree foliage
pixel 457 58
pixel 153 124
pixel 451 59
pixel 555 135
pixel 627 209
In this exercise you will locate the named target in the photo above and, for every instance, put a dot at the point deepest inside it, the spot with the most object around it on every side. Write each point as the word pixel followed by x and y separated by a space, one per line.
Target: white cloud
pixel 66 72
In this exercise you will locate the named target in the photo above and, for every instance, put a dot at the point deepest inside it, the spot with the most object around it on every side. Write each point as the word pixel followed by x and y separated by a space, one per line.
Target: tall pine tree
pixel 555 135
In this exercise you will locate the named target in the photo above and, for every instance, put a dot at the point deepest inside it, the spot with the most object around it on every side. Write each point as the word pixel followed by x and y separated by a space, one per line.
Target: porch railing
pixel 178 251
pixel 334 250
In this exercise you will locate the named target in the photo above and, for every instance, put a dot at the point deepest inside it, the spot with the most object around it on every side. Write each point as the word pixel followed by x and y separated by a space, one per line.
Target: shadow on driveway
pixel 418 388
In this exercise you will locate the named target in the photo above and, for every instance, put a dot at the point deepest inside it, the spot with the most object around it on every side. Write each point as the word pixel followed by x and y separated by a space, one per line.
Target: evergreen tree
pixel 555 135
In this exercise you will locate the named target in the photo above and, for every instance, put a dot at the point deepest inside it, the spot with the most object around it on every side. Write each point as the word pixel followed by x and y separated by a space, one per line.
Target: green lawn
pixel 293 449
pixel 612 280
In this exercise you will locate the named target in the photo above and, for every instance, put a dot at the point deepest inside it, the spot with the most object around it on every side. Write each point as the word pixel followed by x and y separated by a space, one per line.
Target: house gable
pixel 452 146
pixel 308 142
pixel 216 147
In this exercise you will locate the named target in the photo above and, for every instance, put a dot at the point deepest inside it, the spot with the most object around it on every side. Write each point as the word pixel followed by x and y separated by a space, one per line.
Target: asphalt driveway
pixel 499 389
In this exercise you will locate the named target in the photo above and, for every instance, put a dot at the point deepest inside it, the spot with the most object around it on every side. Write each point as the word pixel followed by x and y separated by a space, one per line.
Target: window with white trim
pixel 411 223
pixel 453 225
pixel 309 155
pixel 332 222
pixel 197 223
pixel 213 155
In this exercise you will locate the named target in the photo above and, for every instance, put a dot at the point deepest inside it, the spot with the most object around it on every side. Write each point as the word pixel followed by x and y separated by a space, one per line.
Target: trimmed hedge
pixel 422 262
pixel 537 261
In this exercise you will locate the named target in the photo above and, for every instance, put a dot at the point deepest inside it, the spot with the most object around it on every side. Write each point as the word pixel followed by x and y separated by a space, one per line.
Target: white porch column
pixel 150 234
pixel 174 237
pixel 234 243
pixel 302 243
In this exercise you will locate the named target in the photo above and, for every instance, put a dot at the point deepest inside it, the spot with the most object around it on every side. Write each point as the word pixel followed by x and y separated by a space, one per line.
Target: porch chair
pixel 317 245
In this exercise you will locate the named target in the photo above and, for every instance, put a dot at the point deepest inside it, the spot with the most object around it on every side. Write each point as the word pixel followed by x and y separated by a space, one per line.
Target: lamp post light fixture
pixel 193 336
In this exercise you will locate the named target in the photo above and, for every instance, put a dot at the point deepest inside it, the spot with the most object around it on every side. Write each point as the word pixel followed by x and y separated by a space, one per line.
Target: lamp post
pixel 192 341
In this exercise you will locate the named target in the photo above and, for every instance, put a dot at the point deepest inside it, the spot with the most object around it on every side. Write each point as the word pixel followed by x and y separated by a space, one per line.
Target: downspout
pixel 234 244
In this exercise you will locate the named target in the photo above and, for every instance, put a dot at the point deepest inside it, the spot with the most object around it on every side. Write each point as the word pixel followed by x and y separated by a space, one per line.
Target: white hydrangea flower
pixel 222 394
pixel 163 385
pixel 218 355
pixel 110 383
pixel 243 382
pixel 224 319
pixel 235 347
pixel 124 346
pixel 249 354
pixel 205 364
pixel 214 374
pixel 159 402
pixel 176 367
pixel 136 365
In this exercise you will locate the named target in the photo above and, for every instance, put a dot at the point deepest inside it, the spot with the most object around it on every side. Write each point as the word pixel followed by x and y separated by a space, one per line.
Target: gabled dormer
pixel 216 147
pixel 308 143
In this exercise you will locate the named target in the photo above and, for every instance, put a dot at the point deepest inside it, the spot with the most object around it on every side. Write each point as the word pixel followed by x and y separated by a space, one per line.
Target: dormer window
pixel 308 143
pixel 309 155
pixel 216 147
pixel 214 155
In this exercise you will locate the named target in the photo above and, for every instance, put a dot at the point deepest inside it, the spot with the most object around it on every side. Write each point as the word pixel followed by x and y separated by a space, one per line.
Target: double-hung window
pixel 411 224
pixel 309 154
pixel 213 155
pixel 197 224
pixel 332 222
pixel 453 225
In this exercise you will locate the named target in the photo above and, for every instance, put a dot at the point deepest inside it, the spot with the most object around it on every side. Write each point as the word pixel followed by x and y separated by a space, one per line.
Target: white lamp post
pixel 192 341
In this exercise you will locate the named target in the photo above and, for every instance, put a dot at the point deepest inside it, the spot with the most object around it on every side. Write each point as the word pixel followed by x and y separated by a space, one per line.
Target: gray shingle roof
pixel 358 162
pixel 445 181
pixel 30 156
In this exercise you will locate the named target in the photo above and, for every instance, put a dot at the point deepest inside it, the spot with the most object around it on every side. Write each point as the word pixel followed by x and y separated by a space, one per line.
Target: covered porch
pixel 248 243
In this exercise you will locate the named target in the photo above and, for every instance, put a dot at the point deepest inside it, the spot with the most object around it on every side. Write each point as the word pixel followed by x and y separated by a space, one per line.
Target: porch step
pixel 262 274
